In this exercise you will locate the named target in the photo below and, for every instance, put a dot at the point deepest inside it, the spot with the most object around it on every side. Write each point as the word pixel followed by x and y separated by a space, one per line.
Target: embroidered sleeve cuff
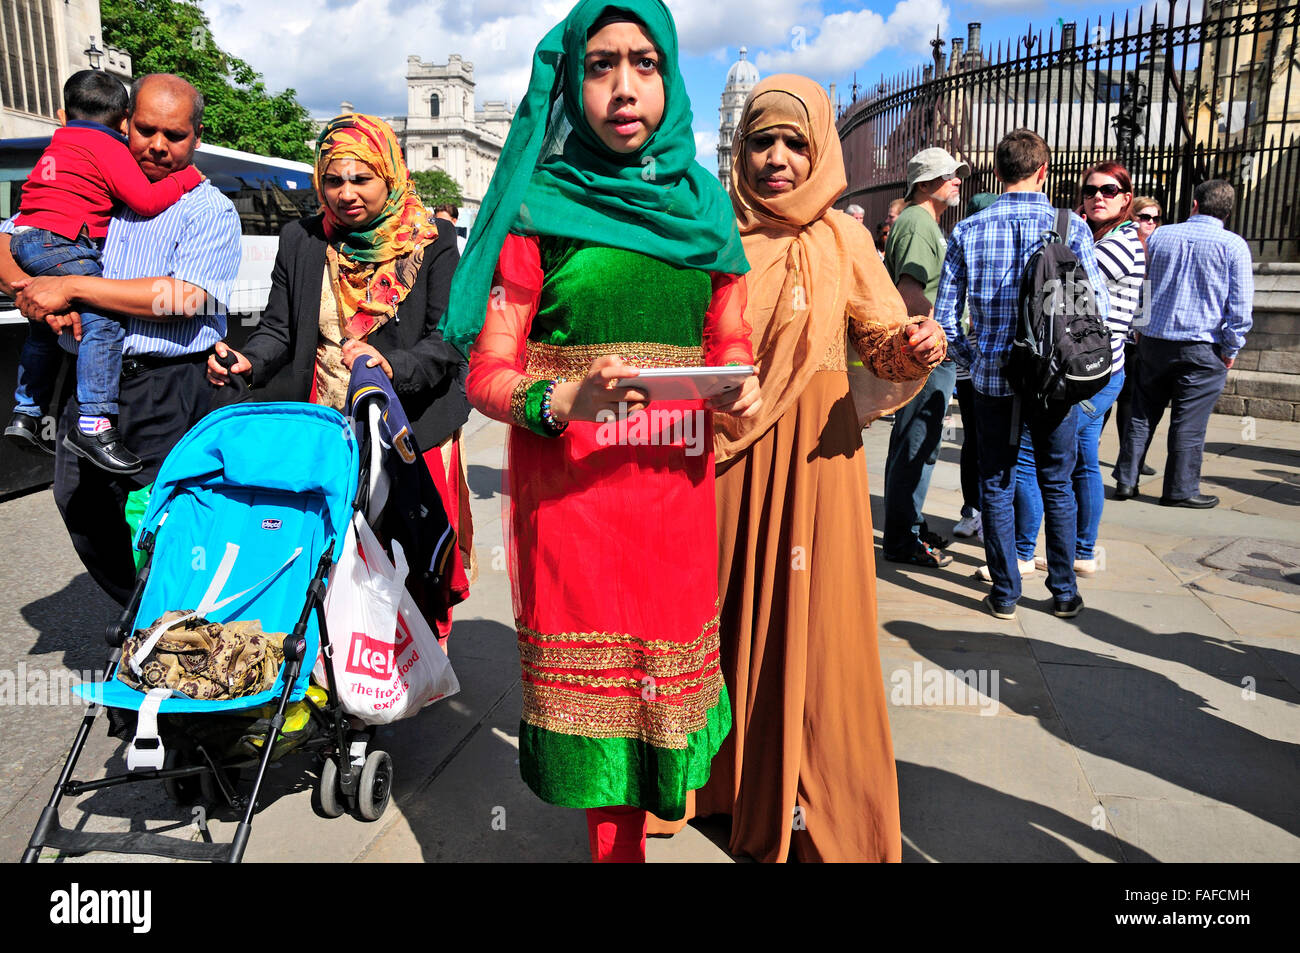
pixel 526 406
pixel 519 400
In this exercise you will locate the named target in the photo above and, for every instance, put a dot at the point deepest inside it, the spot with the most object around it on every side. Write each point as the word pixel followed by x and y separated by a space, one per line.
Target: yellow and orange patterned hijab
pixel 372 269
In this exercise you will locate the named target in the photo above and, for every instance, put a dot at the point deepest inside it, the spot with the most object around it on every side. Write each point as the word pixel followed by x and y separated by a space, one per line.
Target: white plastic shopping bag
pixel 365 590
pixel 387 663
pixel 421 661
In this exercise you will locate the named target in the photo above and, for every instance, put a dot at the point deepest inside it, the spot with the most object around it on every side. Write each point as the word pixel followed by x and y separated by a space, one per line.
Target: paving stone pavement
pixel 1159 725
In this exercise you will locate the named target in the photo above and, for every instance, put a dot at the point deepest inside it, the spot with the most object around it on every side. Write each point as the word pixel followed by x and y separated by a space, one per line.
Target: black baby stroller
pixel 246 518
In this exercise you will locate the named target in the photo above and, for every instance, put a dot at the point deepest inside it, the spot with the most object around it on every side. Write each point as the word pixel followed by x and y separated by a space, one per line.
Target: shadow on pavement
pixel 485 482
pixel 1141 719
pixel 1256 451
pixel 72 621
pixel 950 819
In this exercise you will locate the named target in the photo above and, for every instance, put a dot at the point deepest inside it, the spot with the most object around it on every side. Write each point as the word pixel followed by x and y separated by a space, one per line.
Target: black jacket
pixel 428 373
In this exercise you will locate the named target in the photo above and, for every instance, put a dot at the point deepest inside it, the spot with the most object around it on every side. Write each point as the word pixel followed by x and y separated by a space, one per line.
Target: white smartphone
pixel 688 383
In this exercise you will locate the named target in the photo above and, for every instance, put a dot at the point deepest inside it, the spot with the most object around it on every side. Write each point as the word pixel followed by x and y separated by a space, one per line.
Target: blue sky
pixel 825 39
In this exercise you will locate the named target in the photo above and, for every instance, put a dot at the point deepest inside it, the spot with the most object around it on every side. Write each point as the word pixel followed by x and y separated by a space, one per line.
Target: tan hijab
pixel 810 266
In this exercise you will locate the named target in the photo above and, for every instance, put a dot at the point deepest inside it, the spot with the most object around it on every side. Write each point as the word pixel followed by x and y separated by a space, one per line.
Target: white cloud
pixel 706 145
pixel 356 49
pixel 845 41
pixel 705 25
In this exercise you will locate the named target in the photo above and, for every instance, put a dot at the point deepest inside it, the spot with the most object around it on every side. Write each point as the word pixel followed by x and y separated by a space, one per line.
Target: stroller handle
pixel 239 382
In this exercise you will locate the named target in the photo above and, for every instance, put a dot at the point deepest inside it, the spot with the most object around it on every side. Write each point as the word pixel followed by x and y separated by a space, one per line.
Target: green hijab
pixel 555 177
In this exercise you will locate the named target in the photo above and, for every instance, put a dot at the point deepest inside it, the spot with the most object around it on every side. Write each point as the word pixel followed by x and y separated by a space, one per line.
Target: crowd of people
pixel 1176 301
pixel 696 631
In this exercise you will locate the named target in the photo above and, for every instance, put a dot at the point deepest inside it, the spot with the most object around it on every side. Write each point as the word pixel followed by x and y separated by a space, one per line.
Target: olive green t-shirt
pixel 916 248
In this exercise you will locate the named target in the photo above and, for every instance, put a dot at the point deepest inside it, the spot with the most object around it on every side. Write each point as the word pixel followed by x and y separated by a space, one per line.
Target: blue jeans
pixel 1089 491
pixel 1055 437
pixel 913 449
pixel 99 356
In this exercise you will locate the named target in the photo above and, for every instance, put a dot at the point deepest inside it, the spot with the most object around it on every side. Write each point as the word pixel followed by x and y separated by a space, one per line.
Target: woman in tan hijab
pixel 809 767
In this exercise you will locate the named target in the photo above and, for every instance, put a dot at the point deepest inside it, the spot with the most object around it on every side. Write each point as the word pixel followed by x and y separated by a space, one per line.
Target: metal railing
pixel 1177 100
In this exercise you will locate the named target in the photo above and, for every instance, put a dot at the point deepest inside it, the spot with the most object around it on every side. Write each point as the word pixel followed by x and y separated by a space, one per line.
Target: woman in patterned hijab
pixel 368 278
pixel 372 263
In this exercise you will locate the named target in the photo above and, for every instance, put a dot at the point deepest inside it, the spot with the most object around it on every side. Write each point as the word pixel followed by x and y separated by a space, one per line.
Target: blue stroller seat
pixel 246 518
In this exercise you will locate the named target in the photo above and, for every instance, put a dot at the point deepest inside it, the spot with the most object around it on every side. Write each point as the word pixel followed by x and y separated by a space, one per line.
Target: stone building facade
pixel 42 43
pixel 443 129
pixel 741 79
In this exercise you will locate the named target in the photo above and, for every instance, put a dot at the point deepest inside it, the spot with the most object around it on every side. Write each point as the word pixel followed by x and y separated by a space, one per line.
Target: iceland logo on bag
pixel 270 524
pixel 373 657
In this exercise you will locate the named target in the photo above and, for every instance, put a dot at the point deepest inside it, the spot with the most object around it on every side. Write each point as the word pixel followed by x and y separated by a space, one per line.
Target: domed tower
pixel 741 79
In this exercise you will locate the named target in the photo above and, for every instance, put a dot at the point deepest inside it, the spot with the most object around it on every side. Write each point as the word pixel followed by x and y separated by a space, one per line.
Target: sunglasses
pixel 1110 190
pixel 1147 218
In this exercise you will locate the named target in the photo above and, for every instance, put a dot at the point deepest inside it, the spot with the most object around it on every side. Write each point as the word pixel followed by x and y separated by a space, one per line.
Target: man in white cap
pixel 914 256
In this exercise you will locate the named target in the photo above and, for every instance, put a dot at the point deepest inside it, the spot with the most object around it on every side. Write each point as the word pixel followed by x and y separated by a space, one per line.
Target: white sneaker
pixel 969 526
pixel 1026 569
pixel 1082 567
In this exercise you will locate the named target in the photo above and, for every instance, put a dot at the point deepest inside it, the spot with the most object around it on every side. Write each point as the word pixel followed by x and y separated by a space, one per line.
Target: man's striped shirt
pixel 197 241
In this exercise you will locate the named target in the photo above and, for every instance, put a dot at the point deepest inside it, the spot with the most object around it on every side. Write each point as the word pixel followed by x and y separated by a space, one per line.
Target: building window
pixel 29 73
pixel 433 152
pixel 435 106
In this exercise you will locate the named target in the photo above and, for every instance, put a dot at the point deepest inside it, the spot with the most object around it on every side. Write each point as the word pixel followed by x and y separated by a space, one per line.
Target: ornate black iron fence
pixel 1176 99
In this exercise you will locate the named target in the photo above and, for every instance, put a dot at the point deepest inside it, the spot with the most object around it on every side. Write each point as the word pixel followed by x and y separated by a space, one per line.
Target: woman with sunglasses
pixel 1147 216
pixel 1106 202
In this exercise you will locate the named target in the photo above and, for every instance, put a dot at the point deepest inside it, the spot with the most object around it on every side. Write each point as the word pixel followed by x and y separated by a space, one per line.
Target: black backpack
pixel 1061 353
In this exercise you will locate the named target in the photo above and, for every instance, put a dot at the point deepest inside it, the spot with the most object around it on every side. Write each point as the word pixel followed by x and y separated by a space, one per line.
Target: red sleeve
pixel 727 334
pixel 129 185
pixel 497 357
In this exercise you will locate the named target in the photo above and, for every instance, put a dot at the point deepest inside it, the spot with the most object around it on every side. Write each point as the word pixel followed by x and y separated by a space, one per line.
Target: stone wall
pixel 1265 380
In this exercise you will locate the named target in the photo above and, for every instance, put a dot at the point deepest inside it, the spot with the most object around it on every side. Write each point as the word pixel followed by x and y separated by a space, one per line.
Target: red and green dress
pixel 610 526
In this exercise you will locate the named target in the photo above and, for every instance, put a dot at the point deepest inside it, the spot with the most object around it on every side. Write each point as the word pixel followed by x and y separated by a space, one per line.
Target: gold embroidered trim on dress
pixel 836 356
pixel 886 355
pixel 519 400
pixel 539 651
pixel 619 638
pixel 571 362
pixel 665 689
pixel 687 660
pixel 657 723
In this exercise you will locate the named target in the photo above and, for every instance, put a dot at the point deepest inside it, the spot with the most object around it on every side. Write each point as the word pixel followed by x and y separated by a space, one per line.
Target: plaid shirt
pixel 1201 285
pixel 986 255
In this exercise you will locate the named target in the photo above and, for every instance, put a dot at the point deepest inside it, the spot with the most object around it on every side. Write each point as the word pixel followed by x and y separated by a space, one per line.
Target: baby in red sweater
pixel 67 201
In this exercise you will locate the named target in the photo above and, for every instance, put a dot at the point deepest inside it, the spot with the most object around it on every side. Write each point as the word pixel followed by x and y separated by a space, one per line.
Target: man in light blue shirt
pixel 1197 316
pixel 168 279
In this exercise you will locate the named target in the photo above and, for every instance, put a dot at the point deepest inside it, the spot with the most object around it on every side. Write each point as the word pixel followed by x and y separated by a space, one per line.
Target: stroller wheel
pixel 181 791
pixel 211 790
pixel 325 800
pixel 376 785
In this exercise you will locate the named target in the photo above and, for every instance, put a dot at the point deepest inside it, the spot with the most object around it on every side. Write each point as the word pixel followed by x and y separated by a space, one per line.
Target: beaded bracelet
pixel 548 418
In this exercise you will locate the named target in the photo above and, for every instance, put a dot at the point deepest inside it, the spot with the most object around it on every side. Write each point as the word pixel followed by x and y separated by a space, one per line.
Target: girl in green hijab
pixel 602 247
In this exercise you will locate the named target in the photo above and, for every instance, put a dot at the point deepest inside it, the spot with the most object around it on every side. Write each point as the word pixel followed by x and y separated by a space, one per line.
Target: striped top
pixel 196 240
pixel 1123 263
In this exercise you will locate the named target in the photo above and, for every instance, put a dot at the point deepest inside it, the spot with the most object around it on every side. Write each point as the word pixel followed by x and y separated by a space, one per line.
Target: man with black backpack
pixel 1039 295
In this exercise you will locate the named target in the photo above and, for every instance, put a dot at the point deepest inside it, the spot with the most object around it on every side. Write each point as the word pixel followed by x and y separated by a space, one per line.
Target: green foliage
pixel 173 36
pixel 437 188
